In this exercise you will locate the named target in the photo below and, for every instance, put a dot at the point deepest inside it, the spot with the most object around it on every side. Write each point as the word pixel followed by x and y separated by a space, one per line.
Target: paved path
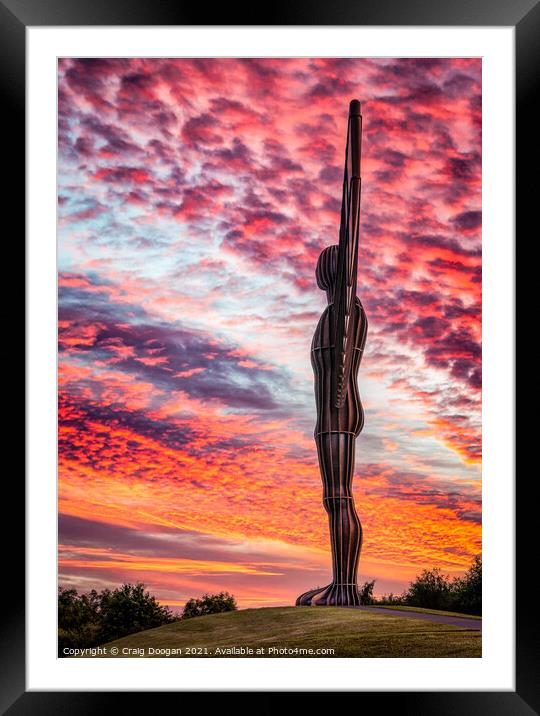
pixel 441 618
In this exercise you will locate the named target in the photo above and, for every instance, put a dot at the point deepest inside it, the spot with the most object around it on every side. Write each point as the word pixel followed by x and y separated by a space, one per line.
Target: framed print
pixel 181 181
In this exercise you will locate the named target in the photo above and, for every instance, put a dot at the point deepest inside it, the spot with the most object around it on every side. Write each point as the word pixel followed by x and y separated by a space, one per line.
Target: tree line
pixel 86 620
pixel 433 590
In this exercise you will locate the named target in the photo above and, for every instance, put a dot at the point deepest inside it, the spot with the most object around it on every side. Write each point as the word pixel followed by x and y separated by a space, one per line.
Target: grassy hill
pixel 349 632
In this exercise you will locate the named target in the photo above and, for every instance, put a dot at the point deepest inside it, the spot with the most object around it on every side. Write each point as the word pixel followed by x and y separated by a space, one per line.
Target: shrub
pixel 393 599
pixel 366 592
pixel 91 619
pixel 209 604
pixel 431 590
pixel 130 609
pixel 467 590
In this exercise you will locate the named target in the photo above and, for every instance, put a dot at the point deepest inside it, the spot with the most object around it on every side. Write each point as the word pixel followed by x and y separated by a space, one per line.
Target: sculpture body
pixel 336 354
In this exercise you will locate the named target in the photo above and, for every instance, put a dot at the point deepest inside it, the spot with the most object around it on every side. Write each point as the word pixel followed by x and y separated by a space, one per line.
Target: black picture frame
pixel 15 16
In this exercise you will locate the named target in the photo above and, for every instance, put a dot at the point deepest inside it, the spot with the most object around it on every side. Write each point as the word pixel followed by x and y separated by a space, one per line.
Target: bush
pixel 78 619
pixel 85 636
pixel 467 591
pixel 431 590
pixel 130 609
pixel 209 604
pixel 366 592
pixel 393 599
pixel 92 619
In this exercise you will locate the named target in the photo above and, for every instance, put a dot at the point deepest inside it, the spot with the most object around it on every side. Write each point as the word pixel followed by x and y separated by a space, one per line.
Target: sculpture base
pixel 333 595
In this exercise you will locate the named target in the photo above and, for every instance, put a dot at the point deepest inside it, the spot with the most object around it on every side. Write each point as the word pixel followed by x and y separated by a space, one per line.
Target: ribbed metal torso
pixel 350 417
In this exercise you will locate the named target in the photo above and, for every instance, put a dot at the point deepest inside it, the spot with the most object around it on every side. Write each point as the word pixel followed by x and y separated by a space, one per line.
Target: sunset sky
pixel 194 197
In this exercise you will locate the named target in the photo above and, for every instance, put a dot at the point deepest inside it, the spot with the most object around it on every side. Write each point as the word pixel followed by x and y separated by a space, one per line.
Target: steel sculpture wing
pixel 347 261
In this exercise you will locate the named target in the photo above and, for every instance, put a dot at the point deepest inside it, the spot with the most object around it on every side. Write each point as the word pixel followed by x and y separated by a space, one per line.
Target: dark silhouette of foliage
pixel 393 599
pixel 209 604
pixel 78 620
pixel 366 593
pixel 467 590
pixel 92 619
pixel 431 590
pixel 130 609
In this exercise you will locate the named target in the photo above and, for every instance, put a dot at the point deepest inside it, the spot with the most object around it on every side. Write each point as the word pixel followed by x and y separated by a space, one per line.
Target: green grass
pixel 426 611
pixel 350 632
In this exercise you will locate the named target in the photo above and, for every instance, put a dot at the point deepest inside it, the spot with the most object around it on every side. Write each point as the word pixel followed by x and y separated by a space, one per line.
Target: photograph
pixel 270 357
pixel 269 387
